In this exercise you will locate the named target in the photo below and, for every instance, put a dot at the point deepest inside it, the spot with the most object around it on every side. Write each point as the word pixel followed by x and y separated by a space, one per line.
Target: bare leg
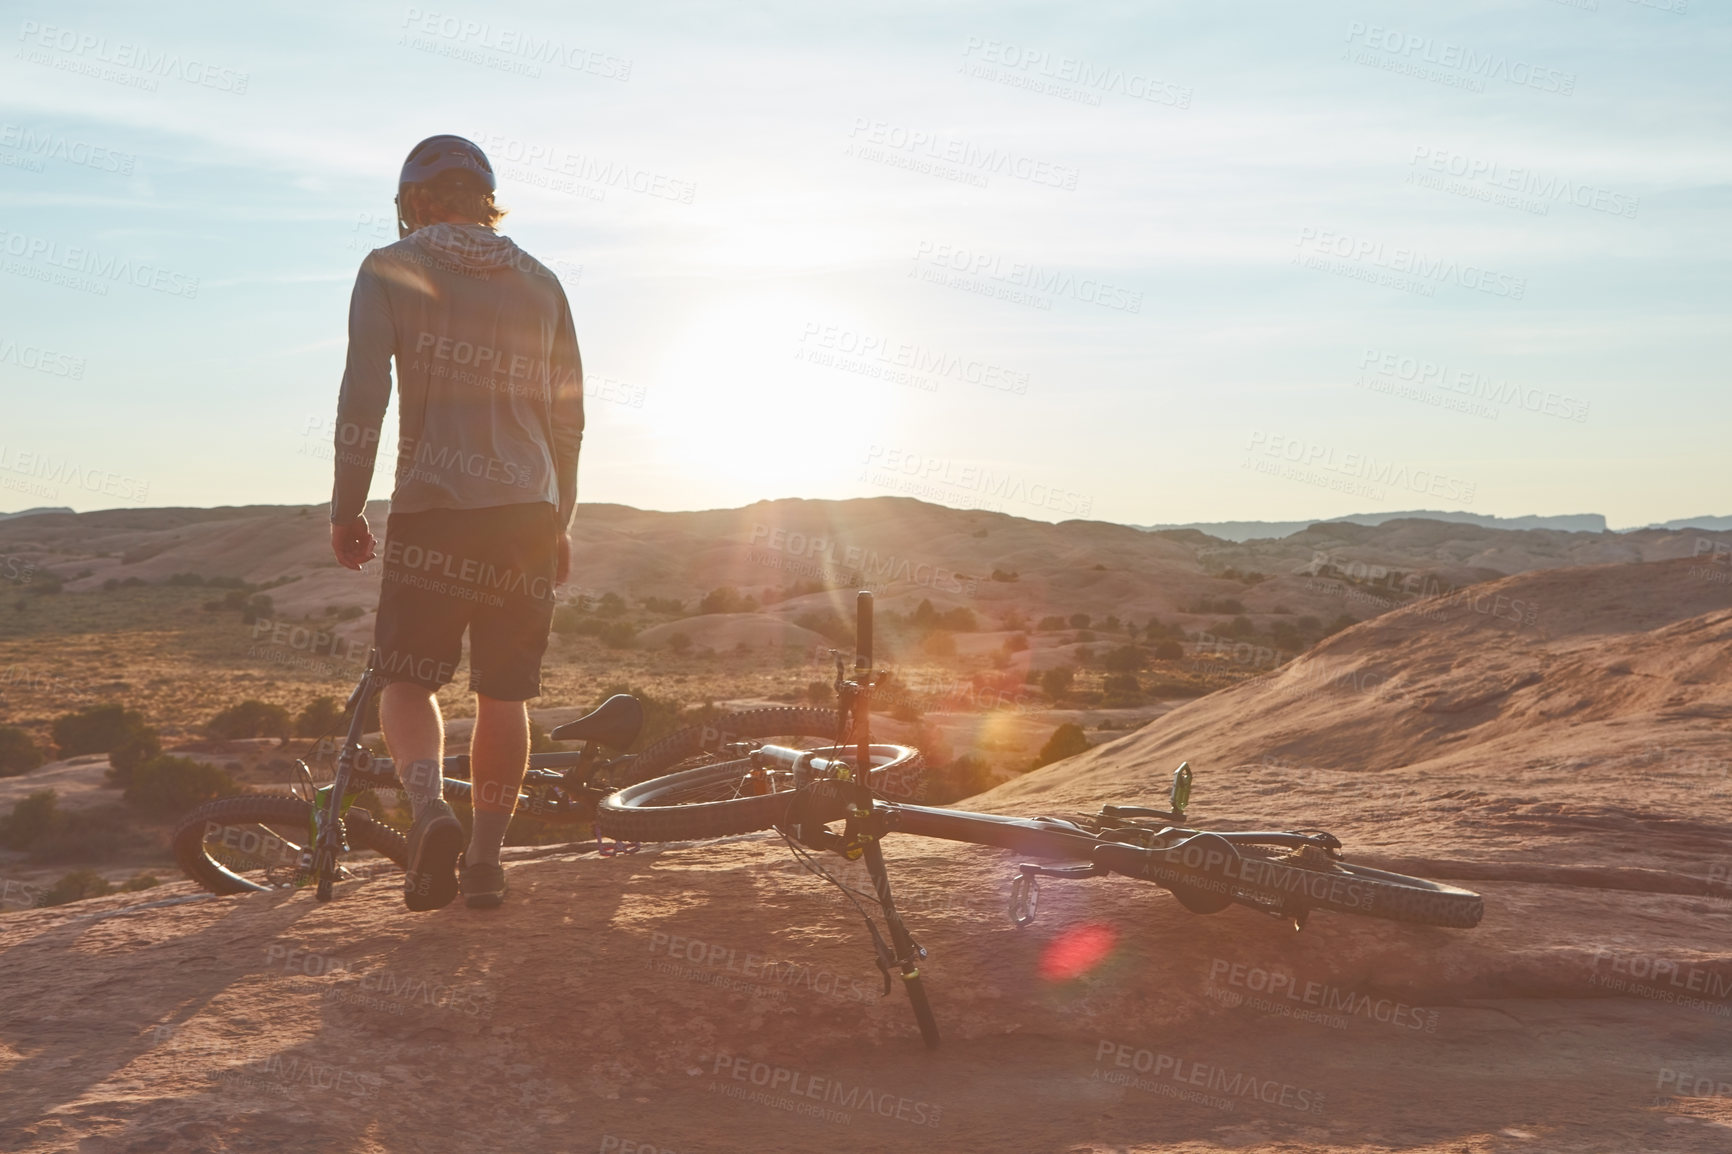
pixel 415 735
pixel 498 758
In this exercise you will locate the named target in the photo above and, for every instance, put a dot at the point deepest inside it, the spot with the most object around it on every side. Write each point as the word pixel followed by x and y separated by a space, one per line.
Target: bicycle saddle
pixel 614 723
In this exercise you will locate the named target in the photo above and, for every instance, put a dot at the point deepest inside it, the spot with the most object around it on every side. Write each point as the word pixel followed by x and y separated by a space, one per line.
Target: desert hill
pixel 1571 767
pixel 908 549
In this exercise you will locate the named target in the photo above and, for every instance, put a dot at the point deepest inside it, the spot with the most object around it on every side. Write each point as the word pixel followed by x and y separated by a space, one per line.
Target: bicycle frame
pixel 357 771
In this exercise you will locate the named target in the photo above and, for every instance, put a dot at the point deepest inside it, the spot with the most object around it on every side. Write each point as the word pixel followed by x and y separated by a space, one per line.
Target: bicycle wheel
pixel 696 790
pixel 243 844
pixel 1294 882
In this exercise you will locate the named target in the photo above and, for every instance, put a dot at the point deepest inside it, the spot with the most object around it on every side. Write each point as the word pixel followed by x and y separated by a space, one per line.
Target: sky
pixel 1139 262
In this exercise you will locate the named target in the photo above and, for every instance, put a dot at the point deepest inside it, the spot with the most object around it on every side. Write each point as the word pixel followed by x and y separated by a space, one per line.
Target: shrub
pixel 131 753
pixel 1121 691
pixel 1016 643
pixel 1079 620
pixel 819 692
pixel 939 644
pixel 98 729
pixel 1124 659
pixel 31 819
pixel 1168 650
pixel 679 642
pixel 1067 740
pixel 322 716
pixel 1004 575
pixel 1056 682
pixel 75 887
pixel 81 884
pixel 167 784
pixel 1050 623
pixel 1345 621
pixel 618 635
pixel 665 605
pixel 251 718
pixel 18 753
pixel 727 599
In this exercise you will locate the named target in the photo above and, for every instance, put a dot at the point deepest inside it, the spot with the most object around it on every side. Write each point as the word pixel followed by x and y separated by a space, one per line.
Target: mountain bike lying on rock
pixel 271 841
pixel 761 770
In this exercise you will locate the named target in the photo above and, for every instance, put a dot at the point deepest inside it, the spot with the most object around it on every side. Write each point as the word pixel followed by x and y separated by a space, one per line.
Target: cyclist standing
pixel 490 417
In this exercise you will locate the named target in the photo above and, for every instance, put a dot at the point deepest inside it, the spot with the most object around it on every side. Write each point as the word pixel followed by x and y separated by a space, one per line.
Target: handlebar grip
pixel 863 630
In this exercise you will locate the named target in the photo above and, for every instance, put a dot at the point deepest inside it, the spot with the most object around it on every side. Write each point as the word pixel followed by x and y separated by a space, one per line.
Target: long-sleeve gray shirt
pixel 490 383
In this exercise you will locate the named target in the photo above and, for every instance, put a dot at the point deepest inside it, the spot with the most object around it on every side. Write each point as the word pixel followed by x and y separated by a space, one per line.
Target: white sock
pixel 487 837
pixel 424 782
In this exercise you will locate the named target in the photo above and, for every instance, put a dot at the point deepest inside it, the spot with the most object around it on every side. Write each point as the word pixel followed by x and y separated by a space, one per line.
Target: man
pixel 490 413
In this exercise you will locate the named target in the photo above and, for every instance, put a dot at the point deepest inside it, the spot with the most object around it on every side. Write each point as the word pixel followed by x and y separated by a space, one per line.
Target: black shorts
pixel 489 571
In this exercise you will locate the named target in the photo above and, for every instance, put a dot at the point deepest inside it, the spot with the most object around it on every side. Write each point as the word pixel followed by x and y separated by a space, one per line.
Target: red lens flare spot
pixel 1077 951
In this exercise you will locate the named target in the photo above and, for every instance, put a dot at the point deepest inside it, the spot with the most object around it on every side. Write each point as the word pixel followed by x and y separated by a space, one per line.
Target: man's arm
pixel 566 374
pixel 366 393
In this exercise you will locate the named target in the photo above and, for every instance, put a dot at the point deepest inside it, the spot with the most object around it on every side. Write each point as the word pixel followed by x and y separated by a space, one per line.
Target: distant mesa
pixel 34 512
pixel 1568 523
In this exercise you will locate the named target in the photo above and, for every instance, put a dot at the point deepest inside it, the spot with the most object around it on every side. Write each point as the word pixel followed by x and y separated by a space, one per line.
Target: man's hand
pixel 353 543
pixel 562 569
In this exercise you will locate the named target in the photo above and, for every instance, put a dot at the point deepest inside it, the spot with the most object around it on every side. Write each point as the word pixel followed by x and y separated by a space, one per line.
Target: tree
pixel 679 642
pixel 1056 682
pixel 18 753
pixel 1067 740
pixel 1080 620
pixel 1051 622
pixel 1168 651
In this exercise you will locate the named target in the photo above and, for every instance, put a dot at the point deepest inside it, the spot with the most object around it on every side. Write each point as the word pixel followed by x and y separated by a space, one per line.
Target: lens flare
pixel 1077 951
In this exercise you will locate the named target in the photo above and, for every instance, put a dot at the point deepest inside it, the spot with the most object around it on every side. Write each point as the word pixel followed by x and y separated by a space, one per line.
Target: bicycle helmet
pixel 437 154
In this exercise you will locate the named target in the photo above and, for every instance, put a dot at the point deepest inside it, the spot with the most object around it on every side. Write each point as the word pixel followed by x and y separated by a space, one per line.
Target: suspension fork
pixel 865 830
pixel 329 841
